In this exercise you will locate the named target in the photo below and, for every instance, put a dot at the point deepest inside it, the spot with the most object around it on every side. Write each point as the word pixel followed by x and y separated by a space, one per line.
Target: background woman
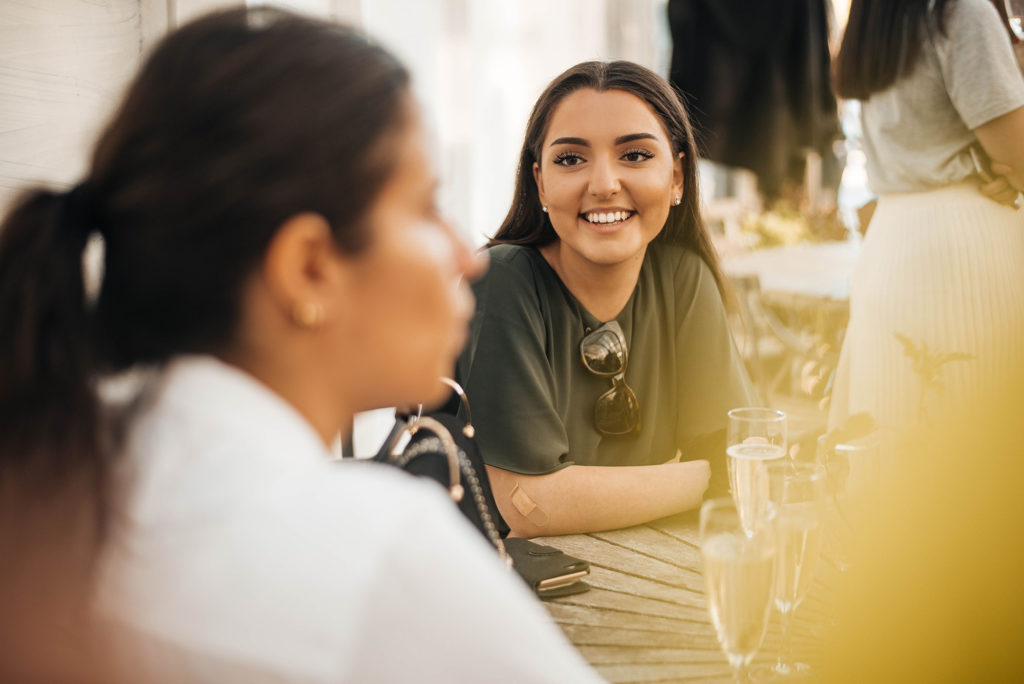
pixel 274 253
pixel 600 347
pixel 941 265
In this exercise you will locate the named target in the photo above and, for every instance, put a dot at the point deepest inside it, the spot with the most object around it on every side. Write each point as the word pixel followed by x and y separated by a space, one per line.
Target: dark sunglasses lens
pixel 617 411
pixel 603 353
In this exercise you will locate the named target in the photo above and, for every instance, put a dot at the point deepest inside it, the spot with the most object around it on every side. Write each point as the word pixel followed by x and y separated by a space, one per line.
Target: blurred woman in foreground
pixel 274 255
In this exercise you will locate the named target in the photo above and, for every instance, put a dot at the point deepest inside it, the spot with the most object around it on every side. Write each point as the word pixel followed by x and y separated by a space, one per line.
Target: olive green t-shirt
pixel 531 397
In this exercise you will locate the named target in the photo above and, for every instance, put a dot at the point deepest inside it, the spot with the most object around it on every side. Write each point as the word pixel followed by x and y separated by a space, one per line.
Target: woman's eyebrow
pixel 634 136
pixel 570 141
pixel 582 142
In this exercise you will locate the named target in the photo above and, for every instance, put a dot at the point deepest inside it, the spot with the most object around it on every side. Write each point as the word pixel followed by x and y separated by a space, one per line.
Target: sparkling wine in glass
pixel 755 437
pixel 1015 13
pixel 739 579
pixel 797 491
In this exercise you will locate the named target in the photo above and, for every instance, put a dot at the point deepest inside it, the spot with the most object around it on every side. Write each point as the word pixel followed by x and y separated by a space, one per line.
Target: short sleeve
pixel 977 63
pixel 712 377
pixel 507 377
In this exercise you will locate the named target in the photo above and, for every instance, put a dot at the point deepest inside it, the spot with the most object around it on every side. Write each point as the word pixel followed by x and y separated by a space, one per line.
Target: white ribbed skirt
pixel 945 269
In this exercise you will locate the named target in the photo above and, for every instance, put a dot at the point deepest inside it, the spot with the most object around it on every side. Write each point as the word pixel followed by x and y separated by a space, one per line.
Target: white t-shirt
pixel 917 132
pixel 242 554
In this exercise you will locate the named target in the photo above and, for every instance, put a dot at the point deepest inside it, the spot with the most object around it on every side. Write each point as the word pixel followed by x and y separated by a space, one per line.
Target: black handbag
pixel 443 448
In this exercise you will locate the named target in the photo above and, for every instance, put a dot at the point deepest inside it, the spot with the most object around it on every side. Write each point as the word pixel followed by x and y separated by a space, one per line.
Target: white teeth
pixel 608 217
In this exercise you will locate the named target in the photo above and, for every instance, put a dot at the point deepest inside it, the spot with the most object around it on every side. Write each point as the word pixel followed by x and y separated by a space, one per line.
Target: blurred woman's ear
pixel 302 270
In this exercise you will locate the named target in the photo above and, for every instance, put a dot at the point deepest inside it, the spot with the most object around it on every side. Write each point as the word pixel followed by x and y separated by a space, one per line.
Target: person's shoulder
pixel 679 260
pixel 520 258
pixel 964 18
pixel 513 268
pixel 982 10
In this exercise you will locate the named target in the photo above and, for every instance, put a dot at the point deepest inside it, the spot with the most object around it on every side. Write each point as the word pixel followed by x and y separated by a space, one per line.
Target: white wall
pixel 63 65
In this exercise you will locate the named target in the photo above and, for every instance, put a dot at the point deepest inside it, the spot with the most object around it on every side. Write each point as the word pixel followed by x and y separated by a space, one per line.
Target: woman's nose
pixel 604 181
pixel 469 263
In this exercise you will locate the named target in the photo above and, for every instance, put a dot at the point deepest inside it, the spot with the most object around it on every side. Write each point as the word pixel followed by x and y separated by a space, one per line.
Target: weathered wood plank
pixel 641 672
pixel 605 554
pixel 683 527
pixel 564 612
pixel 625 655
pixel 613 580
pixel 604 599
pixel 656 544
pixel 688 636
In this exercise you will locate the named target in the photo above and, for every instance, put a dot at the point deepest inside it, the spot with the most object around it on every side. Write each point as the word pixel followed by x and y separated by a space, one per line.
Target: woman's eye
pixel 568 159
pixel 637 155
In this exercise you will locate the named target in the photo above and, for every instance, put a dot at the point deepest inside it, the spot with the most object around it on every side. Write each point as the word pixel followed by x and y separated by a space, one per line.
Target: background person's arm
pixel 1003 140
pixel 579 499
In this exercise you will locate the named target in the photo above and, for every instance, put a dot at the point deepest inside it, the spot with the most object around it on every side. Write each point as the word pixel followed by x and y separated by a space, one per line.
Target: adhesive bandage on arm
pixel 527 507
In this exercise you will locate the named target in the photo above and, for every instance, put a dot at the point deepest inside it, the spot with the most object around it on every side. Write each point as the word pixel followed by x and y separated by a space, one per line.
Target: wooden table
pixel 645 619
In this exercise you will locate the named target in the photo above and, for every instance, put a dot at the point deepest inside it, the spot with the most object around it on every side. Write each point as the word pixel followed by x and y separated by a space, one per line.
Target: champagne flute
pixel 739 579
pixel 755 436
pixel 1015 13
pixel 797 490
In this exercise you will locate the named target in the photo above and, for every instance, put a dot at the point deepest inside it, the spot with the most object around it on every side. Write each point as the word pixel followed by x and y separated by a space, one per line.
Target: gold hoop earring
pixel 308 315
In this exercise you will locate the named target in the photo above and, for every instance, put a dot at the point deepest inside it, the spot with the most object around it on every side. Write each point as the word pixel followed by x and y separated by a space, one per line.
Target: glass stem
pixel 786 651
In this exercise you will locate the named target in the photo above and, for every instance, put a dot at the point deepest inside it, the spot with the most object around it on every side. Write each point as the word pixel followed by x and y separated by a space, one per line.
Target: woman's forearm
pixel 1003 140
pixel 580 499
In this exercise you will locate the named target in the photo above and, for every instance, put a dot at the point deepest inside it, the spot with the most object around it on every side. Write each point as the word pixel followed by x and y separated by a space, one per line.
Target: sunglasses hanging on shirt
pixel 604 353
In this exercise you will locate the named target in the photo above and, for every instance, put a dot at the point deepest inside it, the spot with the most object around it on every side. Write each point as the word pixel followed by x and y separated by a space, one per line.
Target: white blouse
pixel 242 554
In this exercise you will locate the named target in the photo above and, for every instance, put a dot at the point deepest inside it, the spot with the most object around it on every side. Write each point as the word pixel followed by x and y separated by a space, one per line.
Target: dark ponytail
pixel 48 408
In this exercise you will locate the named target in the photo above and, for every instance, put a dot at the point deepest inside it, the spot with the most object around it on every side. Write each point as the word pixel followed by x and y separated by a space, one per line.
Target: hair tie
pixel 78 211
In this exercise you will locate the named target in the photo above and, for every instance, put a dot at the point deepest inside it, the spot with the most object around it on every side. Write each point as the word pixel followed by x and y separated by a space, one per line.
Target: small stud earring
pixel 677 200
pixel 544 208
pixel 308 315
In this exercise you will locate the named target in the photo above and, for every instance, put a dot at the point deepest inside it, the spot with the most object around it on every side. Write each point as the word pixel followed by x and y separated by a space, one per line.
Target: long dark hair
pixel 526 222
pixel 236 122
pixel 882 42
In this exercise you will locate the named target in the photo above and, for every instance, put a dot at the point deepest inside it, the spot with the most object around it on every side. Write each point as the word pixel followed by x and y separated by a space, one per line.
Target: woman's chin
pixel 437 395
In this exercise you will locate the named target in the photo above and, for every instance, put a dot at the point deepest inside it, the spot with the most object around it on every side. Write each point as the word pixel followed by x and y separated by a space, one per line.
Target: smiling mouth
pixel 607 218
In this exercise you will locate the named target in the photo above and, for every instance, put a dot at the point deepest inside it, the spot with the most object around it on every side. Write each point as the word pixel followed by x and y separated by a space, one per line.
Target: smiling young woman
pixel 600 364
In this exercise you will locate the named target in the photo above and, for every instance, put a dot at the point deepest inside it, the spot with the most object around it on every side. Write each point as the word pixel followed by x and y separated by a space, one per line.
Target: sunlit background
pixel 478 66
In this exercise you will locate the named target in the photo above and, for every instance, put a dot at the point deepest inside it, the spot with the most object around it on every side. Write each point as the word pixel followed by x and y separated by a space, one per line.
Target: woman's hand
pixel 1000 189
